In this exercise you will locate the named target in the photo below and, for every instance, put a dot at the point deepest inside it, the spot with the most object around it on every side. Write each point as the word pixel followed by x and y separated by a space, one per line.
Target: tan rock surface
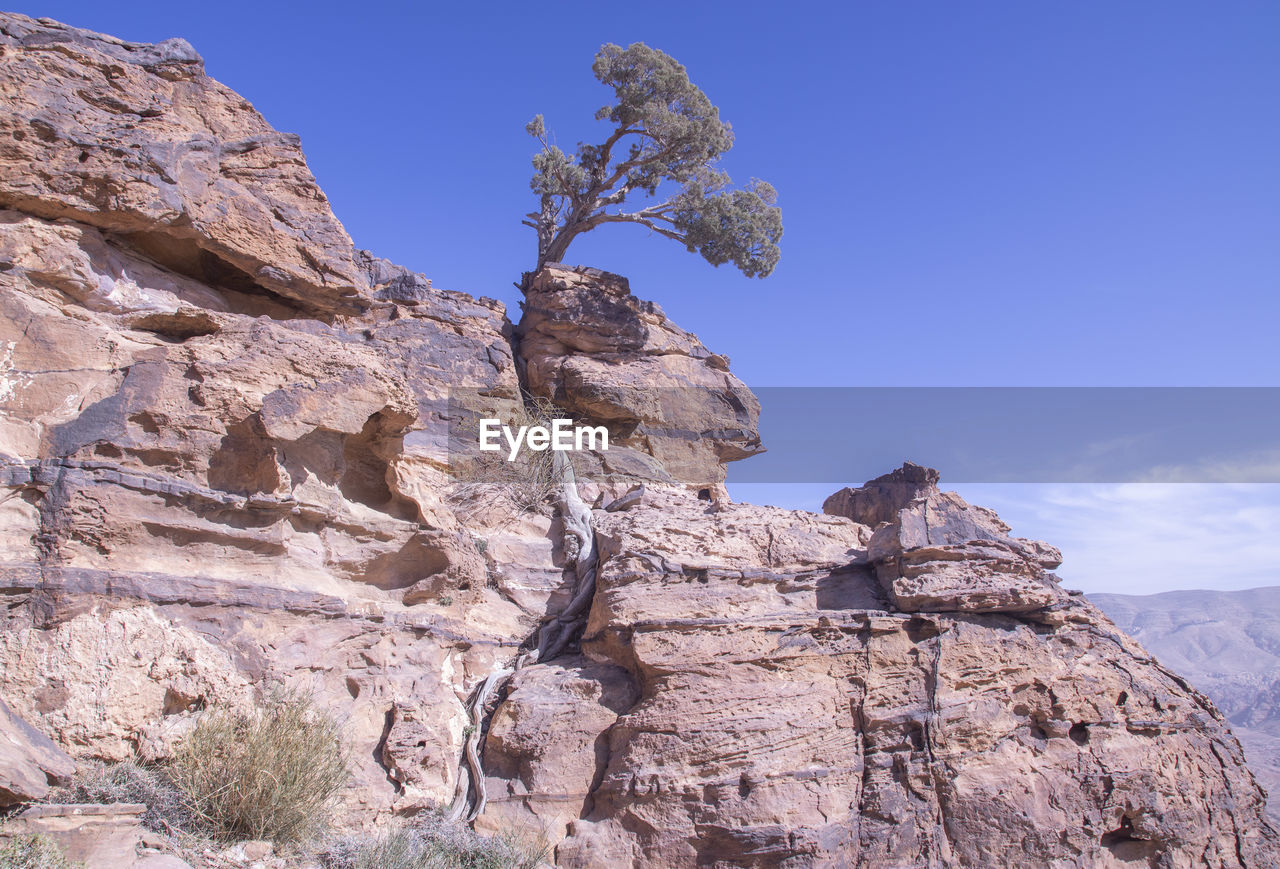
pixel 30 762
pixel 95 836
pixel 136 140
pixel 211 480
pixel 615 360
pixel 1227 644
pixel 789 716
pixel 935 553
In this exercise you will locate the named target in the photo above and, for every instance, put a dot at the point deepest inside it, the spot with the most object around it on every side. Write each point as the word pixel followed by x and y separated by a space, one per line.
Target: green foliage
pixel 271 773
pixel 665 130
pixel 433 843
pixel 26 851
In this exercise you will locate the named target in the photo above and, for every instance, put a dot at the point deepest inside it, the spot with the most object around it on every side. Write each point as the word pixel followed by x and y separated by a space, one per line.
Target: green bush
pixel 34 852
pixel 271 773
pixel 434 843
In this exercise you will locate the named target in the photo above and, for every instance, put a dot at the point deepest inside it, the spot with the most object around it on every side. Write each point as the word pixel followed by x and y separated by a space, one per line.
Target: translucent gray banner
pixel 971 434
pixel 1019 435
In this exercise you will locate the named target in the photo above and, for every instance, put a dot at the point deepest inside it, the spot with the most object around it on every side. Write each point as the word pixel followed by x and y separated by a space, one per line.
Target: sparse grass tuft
pixel 434 843
pixel 527 482
pixel 271 773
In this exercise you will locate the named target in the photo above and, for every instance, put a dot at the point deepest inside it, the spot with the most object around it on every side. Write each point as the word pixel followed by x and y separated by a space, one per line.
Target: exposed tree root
pixel 580 551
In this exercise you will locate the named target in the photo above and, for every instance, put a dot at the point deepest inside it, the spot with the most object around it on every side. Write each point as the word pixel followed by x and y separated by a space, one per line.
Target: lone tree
pixel 665 129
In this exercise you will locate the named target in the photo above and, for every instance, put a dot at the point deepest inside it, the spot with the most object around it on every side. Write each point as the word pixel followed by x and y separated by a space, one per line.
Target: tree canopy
pixel 664 130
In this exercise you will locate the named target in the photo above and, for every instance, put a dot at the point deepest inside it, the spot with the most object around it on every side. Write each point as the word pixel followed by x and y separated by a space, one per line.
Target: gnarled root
pixel 580 544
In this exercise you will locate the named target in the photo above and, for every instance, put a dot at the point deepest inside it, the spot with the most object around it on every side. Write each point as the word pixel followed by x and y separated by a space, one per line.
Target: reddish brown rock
pixel 544 749
pixel 212 480
pixel 881 499
pixel 95 836
pixel 30 762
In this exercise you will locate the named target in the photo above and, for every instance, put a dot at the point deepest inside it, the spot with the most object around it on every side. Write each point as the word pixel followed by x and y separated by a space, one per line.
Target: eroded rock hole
pixel 1126 846
pixel 245 461
pixel 178 325
pixel 366 459
pixel 921 629
pixel 184 256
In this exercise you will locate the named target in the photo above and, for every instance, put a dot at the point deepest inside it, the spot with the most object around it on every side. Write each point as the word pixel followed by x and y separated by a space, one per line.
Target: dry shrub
pixel 435 843
pixel 527 482
pixel 270 773
pixel 26 851
pixel 168 810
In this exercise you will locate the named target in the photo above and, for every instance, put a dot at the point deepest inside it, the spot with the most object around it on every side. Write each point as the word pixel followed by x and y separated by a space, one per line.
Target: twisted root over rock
pixel 553 636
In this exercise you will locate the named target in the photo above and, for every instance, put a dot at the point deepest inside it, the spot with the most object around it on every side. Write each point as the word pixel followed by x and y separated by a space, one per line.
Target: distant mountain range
pixel 1227 644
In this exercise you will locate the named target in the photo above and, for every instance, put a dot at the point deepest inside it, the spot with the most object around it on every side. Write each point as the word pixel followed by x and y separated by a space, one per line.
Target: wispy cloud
pixel 1141 538
pixel 1247 468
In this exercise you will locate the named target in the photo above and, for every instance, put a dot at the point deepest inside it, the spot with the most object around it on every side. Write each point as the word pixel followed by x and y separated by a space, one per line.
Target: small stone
pixel 256 850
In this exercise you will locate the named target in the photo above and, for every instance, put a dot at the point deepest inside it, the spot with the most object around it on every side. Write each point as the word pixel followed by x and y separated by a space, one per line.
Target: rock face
pixel 30 762
pixel 607 357
pixel 136 139
pixel 211 476
pixel 935 553
pixel 1227 643
pixel 788 712
pixel 225 466
pixel 95 836
pixel 881 499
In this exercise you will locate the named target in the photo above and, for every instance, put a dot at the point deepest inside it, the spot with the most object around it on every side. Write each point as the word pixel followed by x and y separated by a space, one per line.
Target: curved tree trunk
pixel 557 247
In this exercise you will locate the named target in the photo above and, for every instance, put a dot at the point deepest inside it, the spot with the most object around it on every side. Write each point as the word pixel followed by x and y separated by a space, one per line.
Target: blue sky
pixel 978 193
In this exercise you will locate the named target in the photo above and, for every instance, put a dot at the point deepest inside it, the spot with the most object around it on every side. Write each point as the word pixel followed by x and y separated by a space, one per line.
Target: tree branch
pixel 623 168
pixel 634 217
pixel 606 150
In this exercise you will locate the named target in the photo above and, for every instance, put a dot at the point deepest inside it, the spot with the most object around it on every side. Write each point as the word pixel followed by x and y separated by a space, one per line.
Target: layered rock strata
pixel 753 695
pixel 223 431
pixel 935 553
pixel 674 411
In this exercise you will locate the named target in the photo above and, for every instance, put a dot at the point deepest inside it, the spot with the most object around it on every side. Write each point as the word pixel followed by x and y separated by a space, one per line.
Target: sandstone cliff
pixel 225 464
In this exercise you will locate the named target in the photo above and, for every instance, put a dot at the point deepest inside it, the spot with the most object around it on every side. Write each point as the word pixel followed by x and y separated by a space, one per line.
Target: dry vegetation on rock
pixel 268 773
pixel 431 842
pixel 34 852
pixel 168 808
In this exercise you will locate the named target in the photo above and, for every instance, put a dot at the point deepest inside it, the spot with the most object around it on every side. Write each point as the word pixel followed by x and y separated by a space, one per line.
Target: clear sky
pixel 977 193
